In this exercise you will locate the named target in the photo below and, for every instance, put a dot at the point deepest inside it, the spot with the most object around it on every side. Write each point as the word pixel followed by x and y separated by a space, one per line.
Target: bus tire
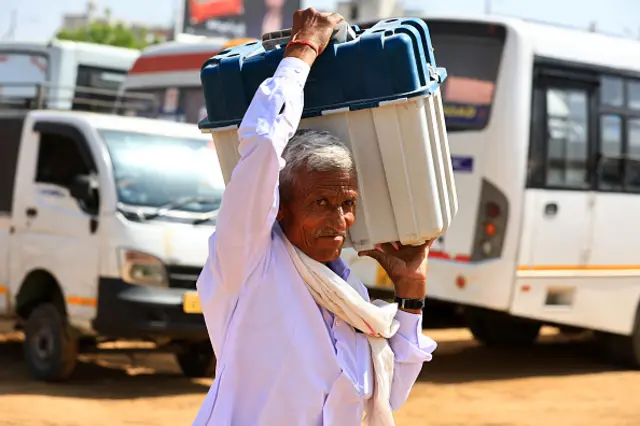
pixel 623 350
pixel 50 346
pixel 498 329
pixel 197 360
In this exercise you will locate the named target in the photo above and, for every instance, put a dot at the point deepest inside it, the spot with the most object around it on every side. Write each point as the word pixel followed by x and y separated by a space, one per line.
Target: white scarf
pixel 376 320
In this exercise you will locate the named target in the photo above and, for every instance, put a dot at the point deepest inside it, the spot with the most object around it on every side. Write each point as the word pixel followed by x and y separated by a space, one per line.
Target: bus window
pixel 471 53
pixel 633 94
pixel 567 138
pixel 190 103
pixel 633 165
pixel 611 91
pixel 610 173
pixel 96 88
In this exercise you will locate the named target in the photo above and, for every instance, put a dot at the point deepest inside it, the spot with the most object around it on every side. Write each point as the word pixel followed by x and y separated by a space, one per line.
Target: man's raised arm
pixel 250 201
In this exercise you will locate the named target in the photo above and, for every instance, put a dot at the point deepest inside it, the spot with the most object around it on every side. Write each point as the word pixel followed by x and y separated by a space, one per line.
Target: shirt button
pixel 337 323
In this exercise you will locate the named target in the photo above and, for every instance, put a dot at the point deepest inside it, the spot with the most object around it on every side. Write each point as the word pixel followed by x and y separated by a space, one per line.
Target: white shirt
pixel 283 360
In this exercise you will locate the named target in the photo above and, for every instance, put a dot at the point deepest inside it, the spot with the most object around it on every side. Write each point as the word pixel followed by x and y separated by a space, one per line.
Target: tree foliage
pixel 104 31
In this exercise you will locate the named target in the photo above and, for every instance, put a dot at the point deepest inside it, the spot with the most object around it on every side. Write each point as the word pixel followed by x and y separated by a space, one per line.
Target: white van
pixel 104 225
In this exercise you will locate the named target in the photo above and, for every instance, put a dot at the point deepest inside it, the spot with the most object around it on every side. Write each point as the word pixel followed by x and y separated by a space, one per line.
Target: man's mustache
pixel 331 232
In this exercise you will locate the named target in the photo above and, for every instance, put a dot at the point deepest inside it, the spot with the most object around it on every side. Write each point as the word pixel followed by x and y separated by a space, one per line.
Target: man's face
pixel 319 212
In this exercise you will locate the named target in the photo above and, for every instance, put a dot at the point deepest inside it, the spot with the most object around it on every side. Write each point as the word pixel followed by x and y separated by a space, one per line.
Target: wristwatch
pixel 409 303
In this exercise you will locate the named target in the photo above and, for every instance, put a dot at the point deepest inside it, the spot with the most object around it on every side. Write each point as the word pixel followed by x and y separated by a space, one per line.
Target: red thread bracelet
pixel 304 43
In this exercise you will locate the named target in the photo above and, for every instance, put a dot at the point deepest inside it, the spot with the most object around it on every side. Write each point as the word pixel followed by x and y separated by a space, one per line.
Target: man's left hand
pixel 406 266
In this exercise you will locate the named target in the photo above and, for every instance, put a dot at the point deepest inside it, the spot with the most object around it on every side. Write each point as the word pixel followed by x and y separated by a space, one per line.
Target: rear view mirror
pixel 81 187
pixel 84 188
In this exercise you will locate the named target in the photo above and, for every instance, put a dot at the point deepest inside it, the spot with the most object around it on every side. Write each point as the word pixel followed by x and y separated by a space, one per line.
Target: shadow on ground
pixel 104 376
pixel 457 360
pixel 463 361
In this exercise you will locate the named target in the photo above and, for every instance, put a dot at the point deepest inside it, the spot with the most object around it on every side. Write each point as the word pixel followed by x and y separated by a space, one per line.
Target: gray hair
pixel 313 150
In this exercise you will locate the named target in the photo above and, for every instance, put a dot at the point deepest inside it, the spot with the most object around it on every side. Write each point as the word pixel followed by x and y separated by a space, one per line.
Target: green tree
pixel 104 31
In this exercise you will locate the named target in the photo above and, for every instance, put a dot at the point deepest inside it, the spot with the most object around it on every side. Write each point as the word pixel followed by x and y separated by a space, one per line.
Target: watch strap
pixel 409 303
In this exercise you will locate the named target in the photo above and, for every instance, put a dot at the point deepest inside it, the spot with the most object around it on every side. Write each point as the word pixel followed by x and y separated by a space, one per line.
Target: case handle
pixel 341 33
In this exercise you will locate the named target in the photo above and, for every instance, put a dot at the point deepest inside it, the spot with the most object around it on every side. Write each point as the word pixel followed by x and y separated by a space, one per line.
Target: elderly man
pixel 297 341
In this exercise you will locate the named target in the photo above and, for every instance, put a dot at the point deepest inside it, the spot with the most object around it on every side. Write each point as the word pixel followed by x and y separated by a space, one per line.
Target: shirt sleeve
pixel 250 200
pixel 411 349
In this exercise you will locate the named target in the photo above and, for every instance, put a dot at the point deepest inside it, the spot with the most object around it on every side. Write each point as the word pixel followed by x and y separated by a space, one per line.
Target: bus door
pixel 559 202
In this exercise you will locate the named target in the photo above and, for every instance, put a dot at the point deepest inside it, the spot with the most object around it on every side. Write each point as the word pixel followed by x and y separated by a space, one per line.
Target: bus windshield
pixel 20 73
pixel 471 53
pixel 96 88
pixel 153 170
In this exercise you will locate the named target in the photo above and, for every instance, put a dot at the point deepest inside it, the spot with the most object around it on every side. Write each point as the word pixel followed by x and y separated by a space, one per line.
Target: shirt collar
pixel 339 266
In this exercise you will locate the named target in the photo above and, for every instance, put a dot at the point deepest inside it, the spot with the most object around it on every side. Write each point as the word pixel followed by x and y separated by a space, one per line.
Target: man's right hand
pixel 314 27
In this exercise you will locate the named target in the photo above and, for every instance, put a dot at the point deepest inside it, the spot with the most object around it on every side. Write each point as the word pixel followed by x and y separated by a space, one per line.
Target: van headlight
pixel 142 269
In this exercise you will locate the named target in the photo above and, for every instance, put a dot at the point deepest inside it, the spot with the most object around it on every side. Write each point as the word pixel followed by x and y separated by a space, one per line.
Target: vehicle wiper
pixel 164 209
pixel 211 215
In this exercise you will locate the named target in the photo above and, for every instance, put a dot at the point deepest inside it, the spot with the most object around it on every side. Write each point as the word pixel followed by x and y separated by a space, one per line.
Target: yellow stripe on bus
pixel 579 268
pixel 82 301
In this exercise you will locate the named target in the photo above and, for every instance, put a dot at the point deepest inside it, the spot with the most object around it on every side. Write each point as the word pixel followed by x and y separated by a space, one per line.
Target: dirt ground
pixel 560 382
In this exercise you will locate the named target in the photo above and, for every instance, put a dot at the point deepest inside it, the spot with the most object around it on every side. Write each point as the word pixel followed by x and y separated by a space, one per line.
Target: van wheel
pixel 197 360
pixel 499 329
pixel 50 349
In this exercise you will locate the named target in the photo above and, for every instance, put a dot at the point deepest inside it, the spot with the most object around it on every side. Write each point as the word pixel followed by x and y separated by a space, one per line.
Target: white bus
pixel 170 73
pixel 62 74
pixel 544 130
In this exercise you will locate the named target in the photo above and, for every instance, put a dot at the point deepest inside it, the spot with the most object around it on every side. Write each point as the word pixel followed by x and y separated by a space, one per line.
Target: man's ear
pixel 280 214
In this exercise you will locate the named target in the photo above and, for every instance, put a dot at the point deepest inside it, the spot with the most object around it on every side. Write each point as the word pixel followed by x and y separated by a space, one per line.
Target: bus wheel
pixel 622 350
pixel 50 347
pixel 499 329
pixel 197 360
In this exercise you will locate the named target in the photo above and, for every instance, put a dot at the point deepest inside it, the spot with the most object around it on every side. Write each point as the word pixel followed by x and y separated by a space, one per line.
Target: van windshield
pixel 153 170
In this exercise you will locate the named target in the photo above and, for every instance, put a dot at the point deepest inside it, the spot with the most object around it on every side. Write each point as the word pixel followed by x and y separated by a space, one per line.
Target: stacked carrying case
pixel 378 90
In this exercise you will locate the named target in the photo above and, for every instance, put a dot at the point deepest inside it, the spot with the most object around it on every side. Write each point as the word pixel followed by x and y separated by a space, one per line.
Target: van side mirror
pixel 81 187
pixel 84 188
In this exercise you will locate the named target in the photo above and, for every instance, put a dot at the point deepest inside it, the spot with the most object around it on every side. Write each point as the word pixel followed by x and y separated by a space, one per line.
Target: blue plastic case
pixel 391 60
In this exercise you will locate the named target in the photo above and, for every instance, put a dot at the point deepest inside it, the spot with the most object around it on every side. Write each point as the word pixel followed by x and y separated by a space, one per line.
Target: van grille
pixel 183 276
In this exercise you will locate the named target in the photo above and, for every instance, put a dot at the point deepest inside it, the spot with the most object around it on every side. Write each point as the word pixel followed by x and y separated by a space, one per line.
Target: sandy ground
pixel 560 382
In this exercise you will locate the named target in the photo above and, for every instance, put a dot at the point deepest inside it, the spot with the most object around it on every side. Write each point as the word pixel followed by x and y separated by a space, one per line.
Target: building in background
pixel 234 18
pixel 73 22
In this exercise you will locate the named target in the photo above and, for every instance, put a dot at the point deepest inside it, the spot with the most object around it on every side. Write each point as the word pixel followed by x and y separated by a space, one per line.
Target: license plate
pixel 191 303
